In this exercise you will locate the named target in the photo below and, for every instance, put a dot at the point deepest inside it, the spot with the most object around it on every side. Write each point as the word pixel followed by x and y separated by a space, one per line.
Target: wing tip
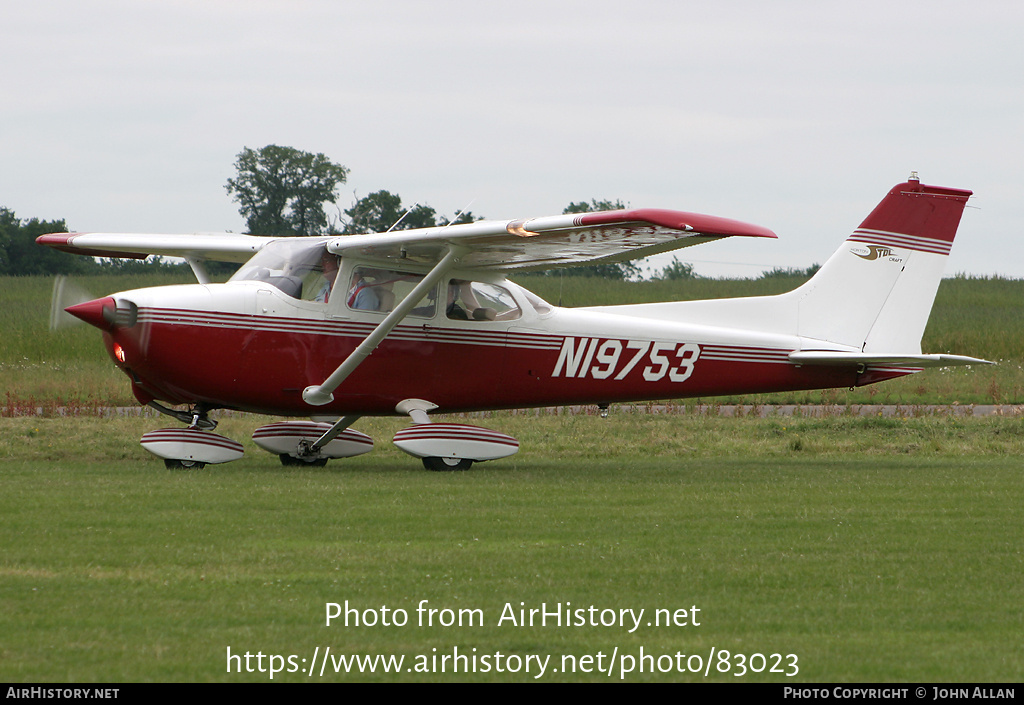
pixel 681 221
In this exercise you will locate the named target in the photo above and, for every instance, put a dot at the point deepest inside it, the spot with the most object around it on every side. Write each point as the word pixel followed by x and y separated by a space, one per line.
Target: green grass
pixel 874 549
pixel 69 365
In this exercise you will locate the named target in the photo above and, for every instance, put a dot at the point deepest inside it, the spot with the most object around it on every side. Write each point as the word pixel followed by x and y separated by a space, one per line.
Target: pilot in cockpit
pixel 463 304
pixel 329 264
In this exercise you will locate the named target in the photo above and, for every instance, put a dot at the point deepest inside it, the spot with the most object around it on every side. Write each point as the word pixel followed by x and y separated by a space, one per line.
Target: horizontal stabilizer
pixel 829 357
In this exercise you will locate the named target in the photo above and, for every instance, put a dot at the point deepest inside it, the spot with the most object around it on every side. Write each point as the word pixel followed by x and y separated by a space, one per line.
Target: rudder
pixel 876 292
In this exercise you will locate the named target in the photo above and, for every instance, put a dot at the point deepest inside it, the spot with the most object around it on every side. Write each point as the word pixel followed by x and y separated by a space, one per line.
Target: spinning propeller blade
pixel 65 294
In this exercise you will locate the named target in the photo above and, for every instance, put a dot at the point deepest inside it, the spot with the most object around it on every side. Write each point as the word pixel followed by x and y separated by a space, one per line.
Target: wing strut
pixel 318 395
pixel 199 269
pixel 313 449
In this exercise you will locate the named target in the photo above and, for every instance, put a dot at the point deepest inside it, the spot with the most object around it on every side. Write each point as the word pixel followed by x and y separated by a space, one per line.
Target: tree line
pixel 21 256
pixel 283 191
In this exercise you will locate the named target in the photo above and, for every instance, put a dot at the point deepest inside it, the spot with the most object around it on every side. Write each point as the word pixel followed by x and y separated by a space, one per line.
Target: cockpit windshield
pixel 302 268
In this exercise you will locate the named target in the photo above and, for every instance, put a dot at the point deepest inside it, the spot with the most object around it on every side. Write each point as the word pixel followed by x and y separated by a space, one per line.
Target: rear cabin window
pixel 380 290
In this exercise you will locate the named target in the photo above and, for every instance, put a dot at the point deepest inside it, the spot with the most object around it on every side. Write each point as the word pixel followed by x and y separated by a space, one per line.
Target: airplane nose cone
pixel 98 312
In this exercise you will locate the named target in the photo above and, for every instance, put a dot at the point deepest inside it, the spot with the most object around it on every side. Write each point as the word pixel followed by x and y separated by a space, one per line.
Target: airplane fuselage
pixel 247 346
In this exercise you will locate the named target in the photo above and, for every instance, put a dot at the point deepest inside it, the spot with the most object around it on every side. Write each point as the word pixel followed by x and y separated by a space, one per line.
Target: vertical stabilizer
pixel 876 292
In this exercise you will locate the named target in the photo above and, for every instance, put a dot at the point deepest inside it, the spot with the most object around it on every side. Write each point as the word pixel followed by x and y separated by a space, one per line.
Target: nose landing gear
pixel 190 448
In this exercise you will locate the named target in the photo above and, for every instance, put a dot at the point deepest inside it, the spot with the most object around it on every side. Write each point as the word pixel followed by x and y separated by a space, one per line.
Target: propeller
pixel 66 293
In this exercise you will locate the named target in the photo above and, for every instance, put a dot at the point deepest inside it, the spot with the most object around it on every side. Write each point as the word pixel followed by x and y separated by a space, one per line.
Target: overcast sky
pixel 120 115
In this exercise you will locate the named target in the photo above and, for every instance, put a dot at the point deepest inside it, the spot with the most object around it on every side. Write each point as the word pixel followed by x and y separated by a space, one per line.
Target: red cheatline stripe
pixel 351 329
pixel 742 354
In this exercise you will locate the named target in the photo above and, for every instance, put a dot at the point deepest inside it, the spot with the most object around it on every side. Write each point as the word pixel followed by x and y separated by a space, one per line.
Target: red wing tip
pixel 679 220
pixel 55 239
pixel 65 242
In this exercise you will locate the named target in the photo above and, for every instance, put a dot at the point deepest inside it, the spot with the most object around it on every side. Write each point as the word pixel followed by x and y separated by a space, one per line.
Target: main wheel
pixel 290 461
pixel 183 464
pixel 447 464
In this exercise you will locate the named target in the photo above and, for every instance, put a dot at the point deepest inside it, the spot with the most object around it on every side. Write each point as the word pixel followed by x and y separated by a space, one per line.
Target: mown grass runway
pixel 872 549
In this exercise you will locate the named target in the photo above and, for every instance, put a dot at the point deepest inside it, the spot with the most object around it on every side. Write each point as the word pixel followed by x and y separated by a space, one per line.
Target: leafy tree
pixel 594 206
pixel 607 270
pixel 677 270
pixel 382 211
pixel 282 190
pixel 20 255
pixel 790 272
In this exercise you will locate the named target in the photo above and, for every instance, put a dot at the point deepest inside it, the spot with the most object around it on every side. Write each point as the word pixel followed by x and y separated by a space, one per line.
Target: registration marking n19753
pixel 599 358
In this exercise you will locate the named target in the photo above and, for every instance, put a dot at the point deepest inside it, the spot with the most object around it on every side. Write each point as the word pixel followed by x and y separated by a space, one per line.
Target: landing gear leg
pixel 197 417
pixel 193 447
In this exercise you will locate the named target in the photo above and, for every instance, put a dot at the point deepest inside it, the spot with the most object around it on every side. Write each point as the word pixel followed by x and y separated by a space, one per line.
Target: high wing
pixel 552 241
pixel 222 247
pixel 526 244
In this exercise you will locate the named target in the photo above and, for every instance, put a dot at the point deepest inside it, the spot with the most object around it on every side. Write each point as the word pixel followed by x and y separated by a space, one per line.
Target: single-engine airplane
pixel 411 322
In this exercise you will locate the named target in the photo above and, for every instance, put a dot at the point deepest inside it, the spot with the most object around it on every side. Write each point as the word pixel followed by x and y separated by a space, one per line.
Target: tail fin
pixel 872 298
pixel 876 292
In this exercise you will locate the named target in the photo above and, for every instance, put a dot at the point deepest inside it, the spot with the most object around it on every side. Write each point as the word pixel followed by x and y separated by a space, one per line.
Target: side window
pixel 380 290
pixel 480 301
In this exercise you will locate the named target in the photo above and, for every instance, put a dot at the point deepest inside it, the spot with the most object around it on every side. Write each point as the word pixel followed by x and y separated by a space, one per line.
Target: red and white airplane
pixel 410 322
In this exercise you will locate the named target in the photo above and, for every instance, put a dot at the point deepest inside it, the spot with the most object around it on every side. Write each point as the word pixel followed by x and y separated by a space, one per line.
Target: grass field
pixel 869 548
pixel 872 549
